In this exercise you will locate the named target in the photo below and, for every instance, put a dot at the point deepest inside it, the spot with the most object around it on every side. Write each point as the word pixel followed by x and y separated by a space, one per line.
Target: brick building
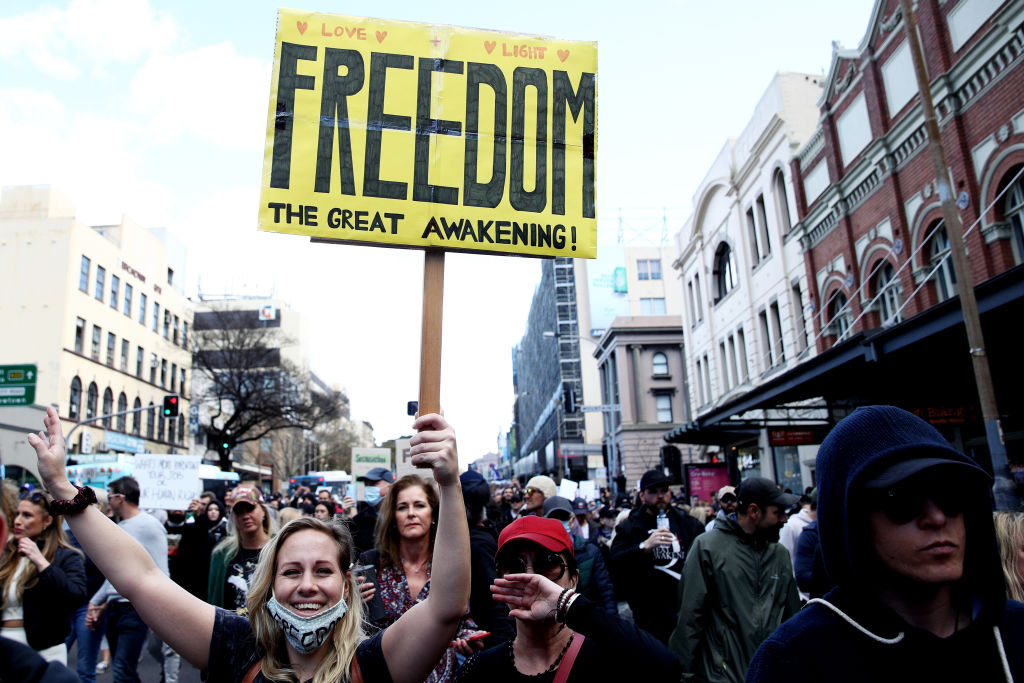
pixel 871 221
pixel 885 320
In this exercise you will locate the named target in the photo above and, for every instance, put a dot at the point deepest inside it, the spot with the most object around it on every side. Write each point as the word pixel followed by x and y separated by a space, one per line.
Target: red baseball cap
pixel 548 533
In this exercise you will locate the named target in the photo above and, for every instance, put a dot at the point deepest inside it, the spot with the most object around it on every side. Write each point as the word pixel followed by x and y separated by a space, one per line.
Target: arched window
pixel 939 260
pixel 839 316
pixel 75 403
pixel 91 398
pixel 108 406
pixel 781 201
pixel 887 288
pixel 150 417
pixel 659 364
pixel 137 417
pixel 724 272
pixel 122 420
pixel 1013 211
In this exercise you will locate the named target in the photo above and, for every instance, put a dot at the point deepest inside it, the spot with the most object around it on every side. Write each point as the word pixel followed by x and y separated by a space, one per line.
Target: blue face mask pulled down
pixel 372 495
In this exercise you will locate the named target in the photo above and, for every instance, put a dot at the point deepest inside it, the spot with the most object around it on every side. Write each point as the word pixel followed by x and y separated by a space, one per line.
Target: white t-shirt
pixel 12 605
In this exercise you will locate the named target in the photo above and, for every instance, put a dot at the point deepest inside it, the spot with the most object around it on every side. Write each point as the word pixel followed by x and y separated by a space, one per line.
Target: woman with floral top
pixel 405 544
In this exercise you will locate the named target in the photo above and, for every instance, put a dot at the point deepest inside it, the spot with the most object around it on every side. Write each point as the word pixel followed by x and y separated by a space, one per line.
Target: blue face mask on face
pixel 372 495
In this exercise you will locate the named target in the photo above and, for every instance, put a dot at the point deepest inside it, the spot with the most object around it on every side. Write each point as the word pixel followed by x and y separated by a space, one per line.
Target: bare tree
pixel 250 386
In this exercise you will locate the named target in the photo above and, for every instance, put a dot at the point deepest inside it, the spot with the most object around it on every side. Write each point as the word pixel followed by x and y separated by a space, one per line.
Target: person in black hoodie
pixel 907 534
pixel 489 614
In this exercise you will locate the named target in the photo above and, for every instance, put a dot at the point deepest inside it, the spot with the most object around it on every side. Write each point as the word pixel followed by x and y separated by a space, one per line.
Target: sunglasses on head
pixel 37 497
pixel 903 502
pixel 546 563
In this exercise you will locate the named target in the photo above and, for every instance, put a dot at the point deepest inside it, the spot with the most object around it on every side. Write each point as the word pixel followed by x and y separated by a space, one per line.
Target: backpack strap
pixel 355 674
pixel 250 675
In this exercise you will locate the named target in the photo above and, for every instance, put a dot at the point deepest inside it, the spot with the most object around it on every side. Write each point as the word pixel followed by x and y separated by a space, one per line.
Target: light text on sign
pixel 418 135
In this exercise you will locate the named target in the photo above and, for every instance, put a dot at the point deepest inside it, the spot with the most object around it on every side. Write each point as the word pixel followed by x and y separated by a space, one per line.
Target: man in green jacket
pixel 737 587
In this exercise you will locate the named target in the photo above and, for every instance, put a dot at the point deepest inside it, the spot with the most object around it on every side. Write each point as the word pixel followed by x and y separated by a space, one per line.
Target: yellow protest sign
pixel 403 134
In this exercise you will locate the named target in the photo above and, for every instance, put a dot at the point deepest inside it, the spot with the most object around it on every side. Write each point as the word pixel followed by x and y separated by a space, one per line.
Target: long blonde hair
pixel 53 538
pixel 348 633
pixel 1010 533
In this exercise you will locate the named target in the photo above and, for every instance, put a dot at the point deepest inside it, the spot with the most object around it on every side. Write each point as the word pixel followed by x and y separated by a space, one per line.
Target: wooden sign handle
pixel 430 343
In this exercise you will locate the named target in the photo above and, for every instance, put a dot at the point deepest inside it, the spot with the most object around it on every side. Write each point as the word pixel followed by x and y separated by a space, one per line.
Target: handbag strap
pixel 569 659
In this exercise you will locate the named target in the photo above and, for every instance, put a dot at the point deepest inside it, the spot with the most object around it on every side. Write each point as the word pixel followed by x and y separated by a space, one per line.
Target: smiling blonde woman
pixel 305 619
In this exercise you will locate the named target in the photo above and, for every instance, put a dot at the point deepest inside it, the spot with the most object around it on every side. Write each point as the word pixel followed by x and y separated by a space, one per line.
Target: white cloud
pixel 89 34
pixel 211 93
pixel 89 157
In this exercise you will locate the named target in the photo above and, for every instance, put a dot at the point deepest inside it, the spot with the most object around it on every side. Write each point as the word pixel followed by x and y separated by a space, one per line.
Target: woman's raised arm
pixel 414 644
pixel 182 620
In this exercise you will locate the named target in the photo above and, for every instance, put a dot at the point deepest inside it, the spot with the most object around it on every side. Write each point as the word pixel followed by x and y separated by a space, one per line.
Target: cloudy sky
pixel 158 110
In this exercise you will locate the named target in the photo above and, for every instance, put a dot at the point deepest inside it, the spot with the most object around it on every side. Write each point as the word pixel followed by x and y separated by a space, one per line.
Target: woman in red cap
pixel 560 635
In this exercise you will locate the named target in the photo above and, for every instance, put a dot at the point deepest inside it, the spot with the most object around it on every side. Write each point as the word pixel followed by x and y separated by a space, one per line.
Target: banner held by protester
pixel 404 134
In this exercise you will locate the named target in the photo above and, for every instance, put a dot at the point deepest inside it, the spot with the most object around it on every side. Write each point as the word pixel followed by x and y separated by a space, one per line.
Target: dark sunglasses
pixel 545 563
pixel 530 492
pixel 658 491
pixel 903 503
pixel 37 497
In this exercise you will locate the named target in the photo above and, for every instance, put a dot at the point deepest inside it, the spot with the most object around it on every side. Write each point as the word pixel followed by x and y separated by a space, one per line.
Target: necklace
pixel 554 665
pixel 407 566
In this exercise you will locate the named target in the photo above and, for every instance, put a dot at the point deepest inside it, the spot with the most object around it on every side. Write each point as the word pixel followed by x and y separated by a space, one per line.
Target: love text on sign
pixel 404 134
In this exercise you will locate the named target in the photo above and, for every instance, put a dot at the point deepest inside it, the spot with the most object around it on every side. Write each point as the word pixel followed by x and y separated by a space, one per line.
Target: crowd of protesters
pixel 444 577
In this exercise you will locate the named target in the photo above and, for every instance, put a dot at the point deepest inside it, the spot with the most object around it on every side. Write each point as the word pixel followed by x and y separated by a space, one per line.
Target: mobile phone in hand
pixel 375 609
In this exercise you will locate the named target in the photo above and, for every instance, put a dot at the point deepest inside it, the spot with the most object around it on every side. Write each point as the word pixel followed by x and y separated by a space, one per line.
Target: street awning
pixel 922 363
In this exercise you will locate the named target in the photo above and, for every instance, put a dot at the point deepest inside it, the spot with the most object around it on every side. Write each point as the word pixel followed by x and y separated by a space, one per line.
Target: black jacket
pixel 21 664
pixel 808 564
pixel 614 650
pixel 653 593
pixel 488 613
pixel 595 581
pixel 362 526
pixel 48 605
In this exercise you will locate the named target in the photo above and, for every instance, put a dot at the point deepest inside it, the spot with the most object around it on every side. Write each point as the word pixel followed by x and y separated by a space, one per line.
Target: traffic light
pixel 171 405
pixel 219 442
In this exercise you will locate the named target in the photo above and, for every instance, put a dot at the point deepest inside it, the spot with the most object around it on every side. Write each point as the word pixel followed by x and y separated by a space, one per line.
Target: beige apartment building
pixel 100 312
pixel 641 363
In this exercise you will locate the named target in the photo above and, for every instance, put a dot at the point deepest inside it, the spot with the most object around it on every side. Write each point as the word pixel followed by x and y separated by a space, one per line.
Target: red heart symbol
pixel 563 55
pixel 302 26
pixel 381 35
pixel 489 45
